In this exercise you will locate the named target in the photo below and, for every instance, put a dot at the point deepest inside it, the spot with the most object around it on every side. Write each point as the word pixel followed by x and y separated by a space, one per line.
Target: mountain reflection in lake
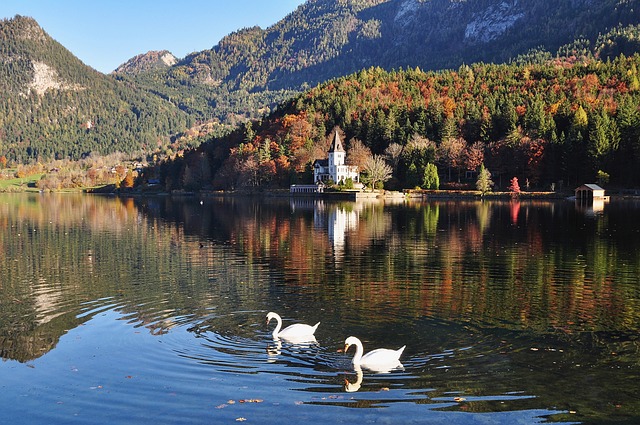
pixel 152 309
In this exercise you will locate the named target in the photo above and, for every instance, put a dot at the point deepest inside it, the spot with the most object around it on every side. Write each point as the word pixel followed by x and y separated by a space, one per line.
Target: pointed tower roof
pixel 336 146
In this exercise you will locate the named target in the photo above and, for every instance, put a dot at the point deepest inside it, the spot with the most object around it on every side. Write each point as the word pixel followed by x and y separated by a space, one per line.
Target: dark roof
pixel 321 162
pixel 590 186
pixel 336 146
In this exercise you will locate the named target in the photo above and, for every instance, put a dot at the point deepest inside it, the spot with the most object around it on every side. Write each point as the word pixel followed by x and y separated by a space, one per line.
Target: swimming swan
pixel 381 359
pixel 293 332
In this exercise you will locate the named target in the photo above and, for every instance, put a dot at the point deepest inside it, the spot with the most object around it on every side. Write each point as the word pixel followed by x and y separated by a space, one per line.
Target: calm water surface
pixel 150 310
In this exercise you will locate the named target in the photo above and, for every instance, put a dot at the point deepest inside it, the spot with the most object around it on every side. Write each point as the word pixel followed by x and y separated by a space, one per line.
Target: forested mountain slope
pixel 54 106
pixel 324 39
pixel 560 123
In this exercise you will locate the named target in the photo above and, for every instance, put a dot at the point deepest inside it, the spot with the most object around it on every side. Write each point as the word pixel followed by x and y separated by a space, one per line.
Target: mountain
pixel 324 39
pixel 150 61
pixel 54 106
pixel 553 124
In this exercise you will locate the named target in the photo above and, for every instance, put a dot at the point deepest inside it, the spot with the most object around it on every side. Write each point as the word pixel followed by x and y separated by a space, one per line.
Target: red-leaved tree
pixel 514 186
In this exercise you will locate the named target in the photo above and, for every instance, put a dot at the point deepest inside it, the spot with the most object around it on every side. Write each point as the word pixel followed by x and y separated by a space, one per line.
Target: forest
pixel 80 112
pixel 554 123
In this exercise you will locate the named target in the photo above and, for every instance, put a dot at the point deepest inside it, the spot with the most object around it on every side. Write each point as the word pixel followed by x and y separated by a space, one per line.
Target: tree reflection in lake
pixel 511 306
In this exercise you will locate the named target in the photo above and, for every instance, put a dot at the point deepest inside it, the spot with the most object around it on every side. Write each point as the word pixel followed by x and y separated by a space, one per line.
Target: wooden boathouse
pixel 590 192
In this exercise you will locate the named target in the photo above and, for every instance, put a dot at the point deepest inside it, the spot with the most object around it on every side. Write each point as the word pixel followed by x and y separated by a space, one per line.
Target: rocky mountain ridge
pixel 324 39
pixel 151 61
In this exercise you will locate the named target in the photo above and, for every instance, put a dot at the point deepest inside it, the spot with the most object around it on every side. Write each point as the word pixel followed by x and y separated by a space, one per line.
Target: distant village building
pixel 334 168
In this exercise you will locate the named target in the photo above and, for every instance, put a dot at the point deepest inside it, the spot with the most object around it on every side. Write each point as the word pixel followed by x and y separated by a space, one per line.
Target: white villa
pixel 334 167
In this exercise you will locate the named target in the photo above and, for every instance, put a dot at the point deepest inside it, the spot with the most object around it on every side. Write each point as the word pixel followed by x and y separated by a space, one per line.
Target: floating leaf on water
pixel 459 399
pixel 251 400
pixel 241 419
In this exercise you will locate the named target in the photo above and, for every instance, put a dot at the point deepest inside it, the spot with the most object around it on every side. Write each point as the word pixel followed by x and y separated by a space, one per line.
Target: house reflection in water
pixel 593 208
pixel 340 221
pixel 337 219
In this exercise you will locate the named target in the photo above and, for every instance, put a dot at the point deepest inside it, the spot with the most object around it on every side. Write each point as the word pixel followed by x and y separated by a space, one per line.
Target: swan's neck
pixel 278 326
pixel 358 356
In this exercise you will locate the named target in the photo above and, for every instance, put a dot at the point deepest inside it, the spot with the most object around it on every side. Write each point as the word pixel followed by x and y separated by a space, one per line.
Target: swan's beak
pixel 346 347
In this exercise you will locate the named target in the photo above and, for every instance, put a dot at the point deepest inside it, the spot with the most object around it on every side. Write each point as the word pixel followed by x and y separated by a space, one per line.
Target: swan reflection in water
pixel 352 387
pixel 275 349
pixel 296 342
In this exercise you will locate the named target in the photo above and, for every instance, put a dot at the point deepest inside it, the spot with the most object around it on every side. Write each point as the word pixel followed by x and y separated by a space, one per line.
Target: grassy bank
pixel 23 184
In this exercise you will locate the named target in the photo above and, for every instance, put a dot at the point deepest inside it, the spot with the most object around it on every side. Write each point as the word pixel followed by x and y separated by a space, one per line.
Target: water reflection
pixel 505 306
pixel 352 387
pixel 590 208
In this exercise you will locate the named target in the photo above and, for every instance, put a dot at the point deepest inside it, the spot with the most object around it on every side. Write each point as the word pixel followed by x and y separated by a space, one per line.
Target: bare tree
pixel 376 170
pixel 450 153
pixel 358 154
pixel 474 156
pixel 393 152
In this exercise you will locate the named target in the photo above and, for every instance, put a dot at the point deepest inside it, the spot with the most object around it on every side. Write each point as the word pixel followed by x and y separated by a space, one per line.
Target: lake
pixel 152 310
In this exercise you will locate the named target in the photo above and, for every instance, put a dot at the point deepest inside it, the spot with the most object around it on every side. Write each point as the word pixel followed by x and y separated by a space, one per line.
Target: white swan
pixel 379 360
pixel 295 332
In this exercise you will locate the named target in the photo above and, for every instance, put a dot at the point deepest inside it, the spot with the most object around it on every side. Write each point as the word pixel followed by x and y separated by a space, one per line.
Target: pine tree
pixel 431 179
pixel 484 182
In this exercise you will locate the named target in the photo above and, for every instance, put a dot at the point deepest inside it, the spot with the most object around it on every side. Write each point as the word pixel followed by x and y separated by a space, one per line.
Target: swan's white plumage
pixel 293 332
pixel 380 359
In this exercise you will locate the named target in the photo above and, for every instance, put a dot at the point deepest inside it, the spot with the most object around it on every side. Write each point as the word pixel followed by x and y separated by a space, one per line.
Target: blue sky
pixel 106 33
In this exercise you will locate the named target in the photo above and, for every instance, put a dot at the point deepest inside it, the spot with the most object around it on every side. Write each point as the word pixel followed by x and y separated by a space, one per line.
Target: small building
pixel 307 188
pixel 334 168
pixel 590 192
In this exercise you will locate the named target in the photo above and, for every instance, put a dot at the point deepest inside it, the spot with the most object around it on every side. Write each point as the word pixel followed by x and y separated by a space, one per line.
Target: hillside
pixel 54 106
pixel 324 39
pixel 560 123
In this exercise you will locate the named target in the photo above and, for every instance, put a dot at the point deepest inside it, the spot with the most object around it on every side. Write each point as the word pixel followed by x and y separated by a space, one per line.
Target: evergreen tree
pixel 431 179
pixel 484 182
